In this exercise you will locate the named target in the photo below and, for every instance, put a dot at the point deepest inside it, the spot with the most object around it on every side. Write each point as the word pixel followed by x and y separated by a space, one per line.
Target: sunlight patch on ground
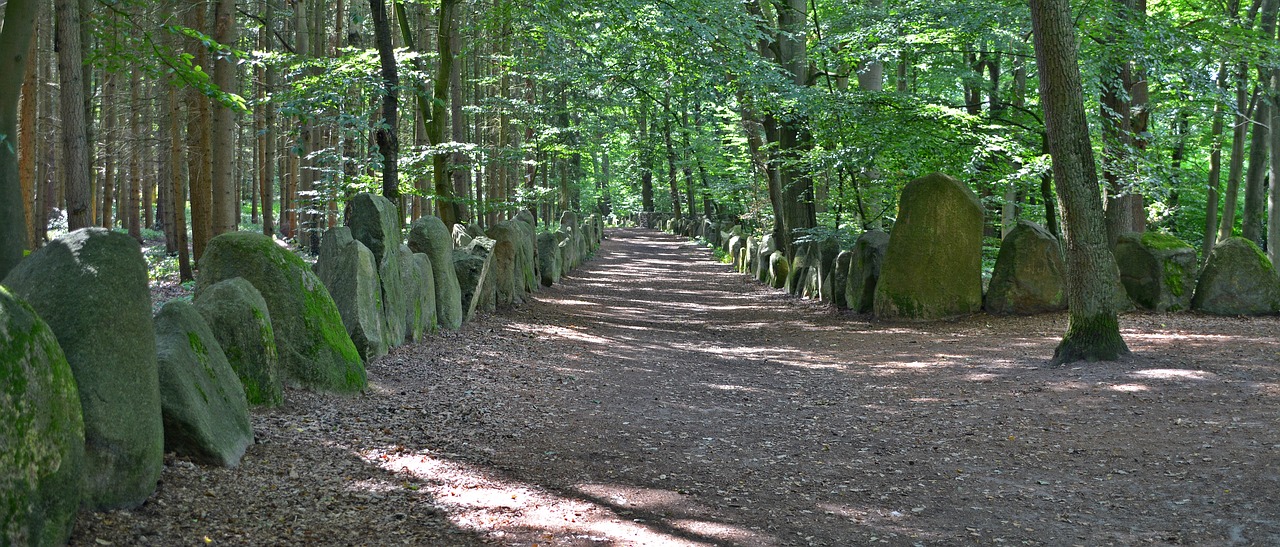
pixel 1173 374
pixel 474 500
pixel 560 332
pixel 890 521
pixel 1129 388
pixel 568 302
pixel 726 387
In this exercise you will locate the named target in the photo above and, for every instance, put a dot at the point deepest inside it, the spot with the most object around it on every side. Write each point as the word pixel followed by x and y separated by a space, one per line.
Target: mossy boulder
pixel 766 249
pixel 375 222
pixel 548 259
pixel 473 268
pixel 736 244
pixel 1238 279
pixel 779 270
pixel 933 266
pixel 840 280
pixel 1029 274
pixel 751 256
pixel 813 263
pixel 239 318
pixel 514 261
pixel 527 256
pixel 419 285
pixel 90 287
pixel 348 269
pixel 429 235
pixel 864 270
pixel 41 433
pixel 206 415
pixel 314 348
pixel 1158 270
pixel 568 251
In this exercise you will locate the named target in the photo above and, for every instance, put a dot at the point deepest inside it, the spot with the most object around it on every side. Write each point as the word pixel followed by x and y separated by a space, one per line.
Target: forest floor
pixel 654 397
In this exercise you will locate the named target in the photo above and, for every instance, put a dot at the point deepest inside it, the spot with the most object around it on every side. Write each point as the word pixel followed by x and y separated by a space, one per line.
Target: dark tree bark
pixel 388 142
pixel 15 45
pixel 75 136
pixel 1093 332
pixel 447 207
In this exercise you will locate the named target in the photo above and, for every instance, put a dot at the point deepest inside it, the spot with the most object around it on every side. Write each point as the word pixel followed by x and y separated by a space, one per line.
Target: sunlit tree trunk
pixel 1093 332
pixel 225 201
pixel 15 45
pixel 28 114
pixel 75 145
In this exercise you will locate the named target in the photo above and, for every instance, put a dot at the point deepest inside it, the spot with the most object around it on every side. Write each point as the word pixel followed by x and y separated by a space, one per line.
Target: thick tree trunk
pixel 388 142
pixel 226 202
pixel 1255 188
pixel 447 207
pixel 1093 332
pixel 75 138
pixel 15 45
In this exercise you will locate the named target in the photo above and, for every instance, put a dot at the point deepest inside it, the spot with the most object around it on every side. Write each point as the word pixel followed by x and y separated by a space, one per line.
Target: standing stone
pixel 1029 275
pixel 238 317
pixel 419 292
pixel 779 270
pixel 735 247
pixel 527 217
pixel 767 247
pixel 314 348
pixel 813 264
pixel 840 279
pixel 472 266
pixel 347 268
pixel 548 259
pixel 90 286
pixel 864 270
pixel 751 256
pixel 206 416
pixel 1158 271
pixel 41 433
pixel 568 251
pixel 375 222
pixel 1238 279
pixel 429 235
pixel 527 255
pixel 522 271
pixel 933 266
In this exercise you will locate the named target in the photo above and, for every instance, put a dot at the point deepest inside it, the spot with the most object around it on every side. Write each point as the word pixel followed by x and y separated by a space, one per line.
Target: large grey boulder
pixel 735 247
pixel 750 258
pixel 864 270
pixel 840 280
pixel 933 266
pixel 1029 275
pixel 90 286
pixel 206 416
pixel 568 251
pixel 514 258
pixel 527 217
pixel 313 345
pixel 41 433
pixel 812 267
pixel 527 253
pixel 348 269
pixel 420 293
pixel 1158 270
pixel 779 270
pixel 375 222
pixel 429 235
pixel 548 259
pixel 238 316
pixel 1238 279
pixel 475 277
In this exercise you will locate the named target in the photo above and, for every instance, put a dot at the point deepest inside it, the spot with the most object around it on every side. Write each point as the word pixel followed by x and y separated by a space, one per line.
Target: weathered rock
pixel 527 254
pixel 41 433
pixel 460 236
pixel 418 283
pixel 1238 279
pixel 206 416
pixel 527 217
pixel 522 270
pixel 751 252
pixel 814 262
pixel 548 258
pixel 735 247
pixel 1158 271
pixel 476 281
pixel 568 251
pixel 779 270
pixel 375 222
pixel 767 247
pixel 430 236
pixel 1029 274
pixel 90 286
pixel 238 316
pixel 348 269
pixel 933 266
pixel 314 348
pixel 840 279
pixel 864 270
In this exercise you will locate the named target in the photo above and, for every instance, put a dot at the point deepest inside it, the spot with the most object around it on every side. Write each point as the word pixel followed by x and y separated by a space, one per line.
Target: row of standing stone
pixel 95 388
pixel 929 266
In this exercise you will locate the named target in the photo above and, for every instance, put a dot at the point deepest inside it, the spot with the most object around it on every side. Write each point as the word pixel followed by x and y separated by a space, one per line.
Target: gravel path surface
pixel 656 398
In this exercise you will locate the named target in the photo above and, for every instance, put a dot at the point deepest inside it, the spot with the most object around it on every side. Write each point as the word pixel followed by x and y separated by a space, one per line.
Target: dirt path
pixel 655 398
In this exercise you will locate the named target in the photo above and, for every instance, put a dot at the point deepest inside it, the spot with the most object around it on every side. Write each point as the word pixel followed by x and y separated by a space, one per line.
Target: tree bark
pixel 133 214
pixel 15 45
pixel 1093 331
pixel 1255 188
pixel 28 112
pixel 388 142
pixel 226 202
pixel 447 207
pixel 1215 170
pixel 75 138
pixel 199 141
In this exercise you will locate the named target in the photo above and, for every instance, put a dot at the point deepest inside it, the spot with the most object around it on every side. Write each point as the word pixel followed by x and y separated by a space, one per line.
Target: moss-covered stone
pixel 933 266
pixel 1238 279
pixel 347 269
pixel 779 270
pixel 375 222
pixel 90 286
pixel 419 292
pixel 238 316
pixel 840 280
pixel 206 415
pixel 430 236
pixel 864 270
pixel 767 247
pixel 41 433
pixel 1029 275
pixel 548 259
pixel 314 348
pixel 1155 270
pixel 513 261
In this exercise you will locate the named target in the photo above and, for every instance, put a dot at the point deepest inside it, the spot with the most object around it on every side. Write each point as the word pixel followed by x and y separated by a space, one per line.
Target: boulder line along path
pixel 654 397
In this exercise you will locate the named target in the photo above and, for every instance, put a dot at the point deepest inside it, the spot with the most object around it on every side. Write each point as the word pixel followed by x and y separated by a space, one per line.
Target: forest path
pixel 657 398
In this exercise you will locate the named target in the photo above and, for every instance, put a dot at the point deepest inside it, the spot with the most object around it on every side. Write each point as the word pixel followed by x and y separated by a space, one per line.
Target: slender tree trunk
pixel 75 145
pixel 28 114
pixel 1235 171
pixel 1215 170
pixel 1093 332
pixel 447 207
pixel 1255 190
pixel 388 142
pixel 133 214
pixel 226 202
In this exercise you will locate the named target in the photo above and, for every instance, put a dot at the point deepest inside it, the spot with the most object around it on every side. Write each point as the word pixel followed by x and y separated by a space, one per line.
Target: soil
pixel 655 397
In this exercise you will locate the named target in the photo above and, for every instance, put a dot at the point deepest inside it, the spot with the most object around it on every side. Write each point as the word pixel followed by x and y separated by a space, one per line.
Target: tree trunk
pixel 15 45
pixel 226 202
pixel 1235 170
pixel 447 207
pixel 1255 189
pixel 133 214
pixel 1215 170
pixel 388 142
pixel 28 112
pixel 1093 332
pixel 75 144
